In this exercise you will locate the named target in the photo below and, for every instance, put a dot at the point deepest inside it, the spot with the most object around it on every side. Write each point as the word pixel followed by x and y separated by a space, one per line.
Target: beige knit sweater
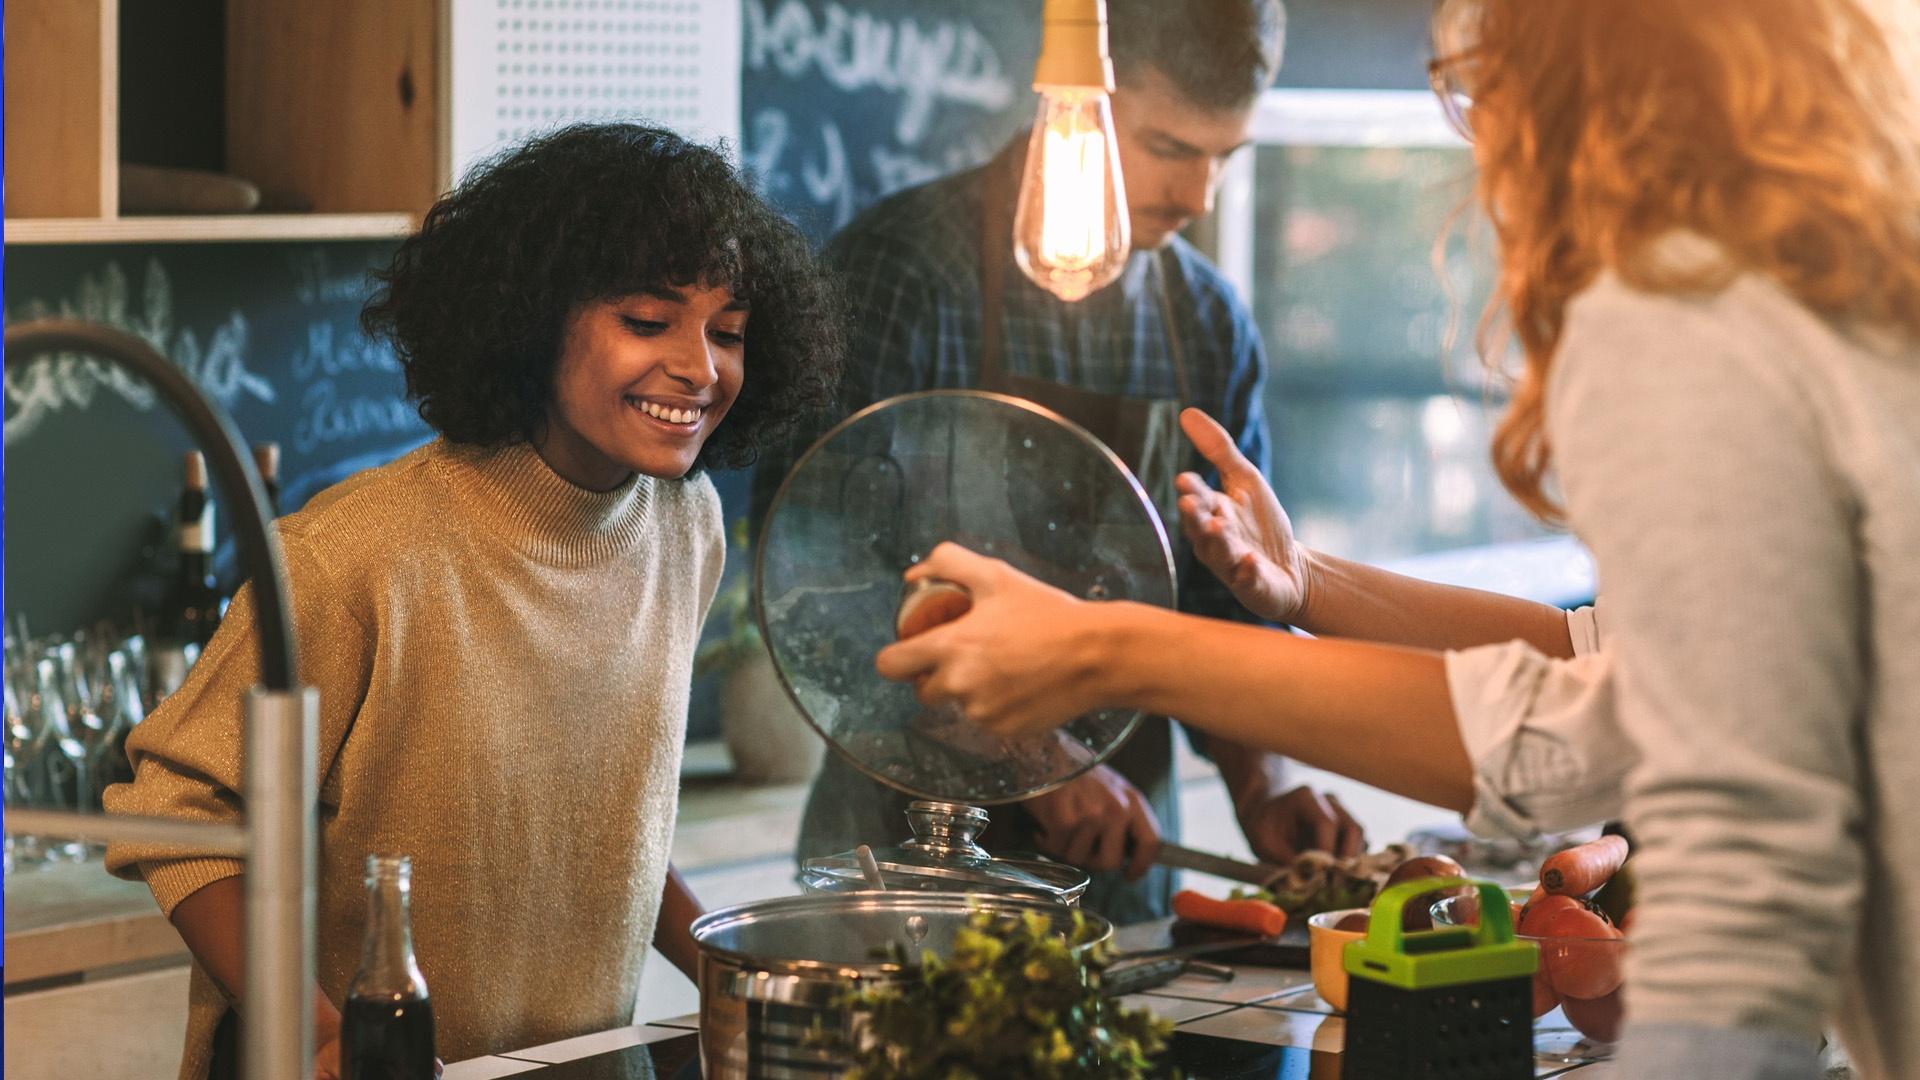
pixel 503 661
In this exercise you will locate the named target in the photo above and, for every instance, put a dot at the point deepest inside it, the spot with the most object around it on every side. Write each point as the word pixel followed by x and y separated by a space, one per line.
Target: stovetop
pixel 1198 1057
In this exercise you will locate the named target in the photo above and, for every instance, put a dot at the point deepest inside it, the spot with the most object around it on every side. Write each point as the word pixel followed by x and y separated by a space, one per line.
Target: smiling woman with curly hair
pixel 478 301
pixel 501 624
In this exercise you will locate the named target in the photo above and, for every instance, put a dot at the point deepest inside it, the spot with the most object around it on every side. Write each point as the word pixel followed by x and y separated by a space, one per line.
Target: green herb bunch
pixel 1016 999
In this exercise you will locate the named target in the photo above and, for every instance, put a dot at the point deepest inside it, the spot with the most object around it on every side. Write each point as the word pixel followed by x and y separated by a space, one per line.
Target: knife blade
pixel 1186 858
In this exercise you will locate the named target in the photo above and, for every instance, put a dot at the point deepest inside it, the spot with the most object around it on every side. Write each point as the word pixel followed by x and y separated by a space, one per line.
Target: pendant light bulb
pixel 1071 232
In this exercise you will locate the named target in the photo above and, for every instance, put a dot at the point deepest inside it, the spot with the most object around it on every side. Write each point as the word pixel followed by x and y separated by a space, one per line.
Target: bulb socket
pixel 1073 46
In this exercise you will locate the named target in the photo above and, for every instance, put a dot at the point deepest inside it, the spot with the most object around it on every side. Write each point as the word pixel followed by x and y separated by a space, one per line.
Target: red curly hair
pixel 1787 131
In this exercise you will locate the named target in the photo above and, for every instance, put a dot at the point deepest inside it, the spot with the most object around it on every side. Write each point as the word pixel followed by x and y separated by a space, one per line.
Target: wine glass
pixel 62 757
pixel 22 851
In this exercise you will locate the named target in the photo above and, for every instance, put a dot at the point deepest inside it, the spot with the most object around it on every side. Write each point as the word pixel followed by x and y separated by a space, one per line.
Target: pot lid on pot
pixel 943 856
pixel 874 496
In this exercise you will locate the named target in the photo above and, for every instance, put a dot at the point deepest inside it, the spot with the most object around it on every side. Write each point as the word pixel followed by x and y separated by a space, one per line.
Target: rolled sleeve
pixel 1547 752
pixel 173 880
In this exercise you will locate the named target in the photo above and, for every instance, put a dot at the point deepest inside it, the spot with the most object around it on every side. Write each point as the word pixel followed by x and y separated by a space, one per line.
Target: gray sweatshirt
pixel 1747 476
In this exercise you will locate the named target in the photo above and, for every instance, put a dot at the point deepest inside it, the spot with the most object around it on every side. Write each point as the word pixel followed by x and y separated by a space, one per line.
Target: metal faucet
pixel 278 838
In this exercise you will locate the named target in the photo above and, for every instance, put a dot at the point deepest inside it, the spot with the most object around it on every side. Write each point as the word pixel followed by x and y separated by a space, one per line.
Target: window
pixel 1380 410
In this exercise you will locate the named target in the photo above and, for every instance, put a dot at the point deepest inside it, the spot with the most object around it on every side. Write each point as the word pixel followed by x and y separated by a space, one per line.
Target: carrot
pixel 1580 870
pixel 1252 916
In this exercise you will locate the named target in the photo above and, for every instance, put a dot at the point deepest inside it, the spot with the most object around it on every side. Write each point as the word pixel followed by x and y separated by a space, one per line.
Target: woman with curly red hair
pixel 1708 216
pixel 501 624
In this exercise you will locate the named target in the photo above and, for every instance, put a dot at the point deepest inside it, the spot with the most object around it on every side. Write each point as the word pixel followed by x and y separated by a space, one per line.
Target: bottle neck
pixel 387 965
pixel 196 524
pixel 195 566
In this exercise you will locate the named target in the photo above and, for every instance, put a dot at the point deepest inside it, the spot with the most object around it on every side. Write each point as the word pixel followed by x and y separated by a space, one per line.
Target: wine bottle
pixel 193 604
pixel 386 1030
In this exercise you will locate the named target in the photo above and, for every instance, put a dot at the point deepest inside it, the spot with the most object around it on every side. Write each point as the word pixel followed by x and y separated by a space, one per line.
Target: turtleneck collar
pixel 542 512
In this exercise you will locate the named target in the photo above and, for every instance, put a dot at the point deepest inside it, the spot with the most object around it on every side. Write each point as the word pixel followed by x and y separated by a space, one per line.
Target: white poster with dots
pixel 520 67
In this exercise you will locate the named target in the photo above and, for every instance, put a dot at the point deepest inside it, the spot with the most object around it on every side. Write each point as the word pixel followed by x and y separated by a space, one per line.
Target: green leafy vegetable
pixel 1016 998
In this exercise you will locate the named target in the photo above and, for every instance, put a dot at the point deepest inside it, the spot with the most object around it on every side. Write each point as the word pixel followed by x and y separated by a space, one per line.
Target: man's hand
pixel 1241 534
pixel 1279 826
pixel 1093 820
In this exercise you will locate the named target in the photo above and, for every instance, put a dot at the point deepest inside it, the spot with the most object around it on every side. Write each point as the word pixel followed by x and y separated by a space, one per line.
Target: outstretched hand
pixel 1241 533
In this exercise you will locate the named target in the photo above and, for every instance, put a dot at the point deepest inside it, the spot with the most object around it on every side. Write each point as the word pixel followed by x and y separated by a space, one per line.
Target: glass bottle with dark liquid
pixel 386 1030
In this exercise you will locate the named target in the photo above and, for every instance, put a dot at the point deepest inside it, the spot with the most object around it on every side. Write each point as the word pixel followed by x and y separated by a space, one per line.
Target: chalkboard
pixel 844 101
pixel 93 459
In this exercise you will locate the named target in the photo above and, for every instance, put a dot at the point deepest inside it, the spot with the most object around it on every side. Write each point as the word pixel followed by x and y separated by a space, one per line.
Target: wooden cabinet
pixel 62 92
pixel 339 102
pixel 339 107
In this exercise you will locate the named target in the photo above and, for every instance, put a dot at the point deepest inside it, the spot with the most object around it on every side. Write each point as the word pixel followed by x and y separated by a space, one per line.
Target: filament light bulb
pixel 1071 232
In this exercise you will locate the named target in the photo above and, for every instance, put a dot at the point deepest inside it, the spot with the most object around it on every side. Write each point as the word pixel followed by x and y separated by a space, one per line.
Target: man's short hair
pixel 1220 54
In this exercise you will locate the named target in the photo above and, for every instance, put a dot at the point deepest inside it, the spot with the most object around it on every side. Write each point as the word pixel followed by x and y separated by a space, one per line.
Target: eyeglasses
pixel 1454 103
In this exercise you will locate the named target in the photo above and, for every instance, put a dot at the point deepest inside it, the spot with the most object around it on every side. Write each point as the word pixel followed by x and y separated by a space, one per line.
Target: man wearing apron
pixel 939 304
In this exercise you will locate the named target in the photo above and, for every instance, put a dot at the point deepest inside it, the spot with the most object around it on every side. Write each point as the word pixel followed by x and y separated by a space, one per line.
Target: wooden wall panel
pixel 337 103
pixel 62 108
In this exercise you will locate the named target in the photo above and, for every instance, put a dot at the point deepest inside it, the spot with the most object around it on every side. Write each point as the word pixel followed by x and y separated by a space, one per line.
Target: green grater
pixel 1453 1003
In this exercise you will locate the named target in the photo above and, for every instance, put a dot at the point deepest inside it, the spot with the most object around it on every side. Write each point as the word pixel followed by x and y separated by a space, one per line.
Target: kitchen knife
pixel 1186 858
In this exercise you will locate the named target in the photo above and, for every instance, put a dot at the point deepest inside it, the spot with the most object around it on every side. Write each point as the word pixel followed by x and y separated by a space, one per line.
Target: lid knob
pixel 946 830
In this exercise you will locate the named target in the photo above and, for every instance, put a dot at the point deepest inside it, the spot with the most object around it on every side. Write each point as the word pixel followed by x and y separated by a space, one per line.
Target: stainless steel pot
pixel 771 970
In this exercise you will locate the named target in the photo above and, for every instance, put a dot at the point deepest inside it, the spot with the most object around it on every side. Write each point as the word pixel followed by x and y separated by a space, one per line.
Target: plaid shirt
pixel 911 267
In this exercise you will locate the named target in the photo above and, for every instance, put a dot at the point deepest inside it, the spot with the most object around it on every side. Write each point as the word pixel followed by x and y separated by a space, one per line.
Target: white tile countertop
pixel 1267 1006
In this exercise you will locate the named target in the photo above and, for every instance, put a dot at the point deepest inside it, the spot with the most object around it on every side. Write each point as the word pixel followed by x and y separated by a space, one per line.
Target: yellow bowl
pixel 1325 947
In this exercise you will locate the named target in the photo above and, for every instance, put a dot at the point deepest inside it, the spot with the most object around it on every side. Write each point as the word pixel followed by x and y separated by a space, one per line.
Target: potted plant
pixel 768 739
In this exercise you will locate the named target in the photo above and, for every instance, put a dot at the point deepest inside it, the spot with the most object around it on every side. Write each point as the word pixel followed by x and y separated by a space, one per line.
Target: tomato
pixel 1598 1019
pixel 1581 953
pixel 1544 998
pixel 1535 913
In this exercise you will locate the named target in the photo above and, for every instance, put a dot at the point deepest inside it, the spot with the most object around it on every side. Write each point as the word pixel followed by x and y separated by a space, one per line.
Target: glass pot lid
pixel 944 856
pixel 874 496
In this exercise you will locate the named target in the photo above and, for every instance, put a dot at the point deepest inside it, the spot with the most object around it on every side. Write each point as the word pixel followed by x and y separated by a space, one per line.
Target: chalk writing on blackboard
pixel 59 382
pixel 341 387
pixel 835 154
pixel 327 416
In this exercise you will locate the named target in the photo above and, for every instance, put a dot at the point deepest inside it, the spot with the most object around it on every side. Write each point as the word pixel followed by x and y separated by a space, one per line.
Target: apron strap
pixel 1171 277
pixel 996 249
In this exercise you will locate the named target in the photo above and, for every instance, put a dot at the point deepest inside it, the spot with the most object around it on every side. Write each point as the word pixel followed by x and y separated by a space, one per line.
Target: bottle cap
pixel 196 470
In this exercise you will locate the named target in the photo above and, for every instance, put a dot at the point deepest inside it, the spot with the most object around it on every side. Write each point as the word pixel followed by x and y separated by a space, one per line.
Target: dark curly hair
pixel 477 301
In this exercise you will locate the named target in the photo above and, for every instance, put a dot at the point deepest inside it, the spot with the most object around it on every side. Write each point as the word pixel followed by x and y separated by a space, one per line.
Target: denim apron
pixel 846 808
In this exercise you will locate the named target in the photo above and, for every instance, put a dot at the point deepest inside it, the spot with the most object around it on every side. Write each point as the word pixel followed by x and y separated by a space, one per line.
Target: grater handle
pixel 1383 920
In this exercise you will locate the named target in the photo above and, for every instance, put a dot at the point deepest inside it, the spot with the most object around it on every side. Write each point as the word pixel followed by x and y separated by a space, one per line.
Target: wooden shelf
pixel 339 106
pixel 211 228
